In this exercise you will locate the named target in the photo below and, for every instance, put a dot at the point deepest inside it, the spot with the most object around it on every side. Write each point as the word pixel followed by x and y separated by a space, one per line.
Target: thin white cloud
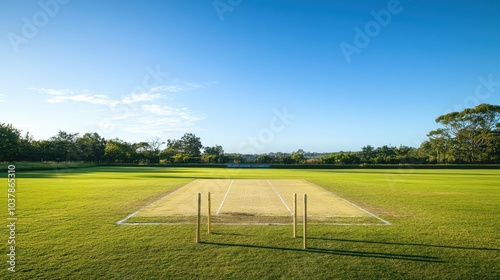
pixel 179 113
pixel 52 91
pixel 66 95
pixel 86 98
pixel 173 89
pixel 150 119
pixel 155 93
pixel 140 97
pixel 142 113
pixel 2 97
pixel 163 110
pixel 178 88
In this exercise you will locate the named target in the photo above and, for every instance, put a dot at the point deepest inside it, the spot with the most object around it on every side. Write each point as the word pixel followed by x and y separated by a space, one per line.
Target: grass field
pixel 444 225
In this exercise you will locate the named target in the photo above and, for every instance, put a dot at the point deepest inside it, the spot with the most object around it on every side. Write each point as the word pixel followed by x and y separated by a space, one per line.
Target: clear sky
pixel 250 75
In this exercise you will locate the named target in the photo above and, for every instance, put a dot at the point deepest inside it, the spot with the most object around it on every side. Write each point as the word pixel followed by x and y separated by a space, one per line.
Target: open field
pixel 444 225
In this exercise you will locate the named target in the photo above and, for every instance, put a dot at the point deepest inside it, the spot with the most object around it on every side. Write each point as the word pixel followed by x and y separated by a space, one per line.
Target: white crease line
pixel 122 222
pixel 250 224
pixel 281 198
pixel 169 194
pixel 371 214
pixel 345 200
pixel 224 199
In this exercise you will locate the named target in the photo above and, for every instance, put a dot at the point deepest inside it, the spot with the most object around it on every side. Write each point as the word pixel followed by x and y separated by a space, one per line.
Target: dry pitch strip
pixel 251 201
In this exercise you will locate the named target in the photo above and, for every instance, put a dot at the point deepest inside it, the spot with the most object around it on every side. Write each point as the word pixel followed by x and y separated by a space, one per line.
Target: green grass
pixel 444 225
pixel 49 165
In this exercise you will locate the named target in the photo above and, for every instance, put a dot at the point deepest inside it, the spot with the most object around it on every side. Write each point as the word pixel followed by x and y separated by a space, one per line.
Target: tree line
pixel 471 136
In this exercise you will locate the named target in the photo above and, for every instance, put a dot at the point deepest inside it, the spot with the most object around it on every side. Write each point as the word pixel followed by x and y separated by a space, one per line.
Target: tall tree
pixel 92 147
pixel 28 151
pixel 298 156
pixel 213 154
pixel 64 146
pixel 367 154
pixel 265 158
pixel 155 144
pixel 174 146
pixel 118 150
pixel 440 147
pixel 186 149
pixel 385 155
pixel 10 142
pixel 472 130
pixel 191 144
pixel 188 144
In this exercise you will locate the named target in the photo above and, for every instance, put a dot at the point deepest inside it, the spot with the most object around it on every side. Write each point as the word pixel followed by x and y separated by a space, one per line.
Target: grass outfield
pixel 444 225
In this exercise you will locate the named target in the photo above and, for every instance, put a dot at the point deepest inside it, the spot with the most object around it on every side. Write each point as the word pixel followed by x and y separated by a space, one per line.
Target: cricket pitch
pixel 252 201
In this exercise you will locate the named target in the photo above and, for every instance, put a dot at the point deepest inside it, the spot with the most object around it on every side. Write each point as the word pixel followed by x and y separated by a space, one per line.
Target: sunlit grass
pixel 444 225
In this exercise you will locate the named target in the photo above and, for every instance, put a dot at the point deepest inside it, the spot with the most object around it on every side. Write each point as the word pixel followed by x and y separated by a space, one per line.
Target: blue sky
pixel 253 76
